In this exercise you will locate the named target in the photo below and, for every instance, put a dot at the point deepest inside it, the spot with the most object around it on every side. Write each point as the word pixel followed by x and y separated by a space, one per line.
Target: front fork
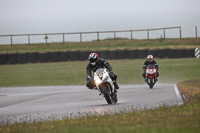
pixel 100 86
pixel 154 76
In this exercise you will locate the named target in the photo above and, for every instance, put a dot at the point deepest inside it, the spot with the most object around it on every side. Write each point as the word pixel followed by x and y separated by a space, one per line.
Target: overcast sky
pixel 53 16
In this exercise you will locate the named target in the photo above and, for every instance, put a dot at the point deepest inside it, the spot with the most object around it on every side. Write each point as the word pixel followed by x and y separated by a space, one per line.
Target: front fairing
pixel 102 76
pixel 150 71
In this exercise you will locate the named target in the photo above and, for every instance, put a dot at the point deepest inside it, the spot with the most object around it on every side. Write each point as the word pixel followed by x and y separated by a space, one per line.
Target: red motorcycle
pixel 151 75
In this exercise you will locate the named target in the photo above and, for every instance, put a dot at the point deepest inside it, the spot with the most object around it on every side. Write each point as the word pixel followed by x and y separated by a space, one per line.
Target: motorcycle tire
pixel 151 83
pixel 106 93
pixel 114 97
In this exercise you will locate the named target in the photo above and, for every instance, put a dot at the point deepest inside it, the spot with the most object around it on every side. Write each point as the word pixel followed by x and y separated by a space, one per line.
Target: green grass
pixel 184 118
pixel 191 90
pixel 180 119
pixel 74 73
pixel 103 45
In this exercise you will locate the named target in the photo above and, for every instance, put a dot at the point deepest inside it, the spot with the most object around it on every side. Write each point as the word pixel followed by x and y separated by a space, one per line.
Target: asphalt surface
pixel 18 104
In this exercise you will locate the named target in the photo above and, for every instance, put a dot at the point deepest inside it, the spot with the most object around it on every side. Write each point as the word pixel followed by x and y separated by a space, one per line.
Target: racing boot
pixel 156 79
pixel 95 88
pixel 116 85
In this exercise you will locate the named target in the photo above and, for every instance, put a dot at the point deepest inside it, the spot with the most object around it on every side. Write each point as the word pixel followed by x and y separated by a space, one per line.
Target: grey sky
pixel 52 16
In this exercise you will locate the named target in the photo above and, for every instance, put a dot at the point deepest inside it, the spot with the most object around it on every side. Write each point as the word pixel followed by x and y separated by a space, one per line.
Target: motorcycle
pixel 151 75
pixel 105 86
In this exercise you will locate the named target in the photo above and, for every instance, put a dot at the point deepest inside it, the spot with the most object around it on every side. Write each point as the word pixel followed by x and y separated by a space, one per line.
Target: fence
pixel 96 32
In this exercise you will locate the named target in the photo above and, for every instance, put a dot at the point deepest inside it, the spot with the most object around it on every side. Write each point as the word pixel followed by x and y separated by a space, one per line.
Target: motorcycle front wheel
pixel 151 83
pixel 105 90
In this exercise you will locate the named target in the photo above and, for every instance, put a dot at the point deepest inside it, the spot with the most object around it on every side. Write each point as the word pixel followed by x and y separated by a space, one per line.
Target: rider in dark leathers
pixel 94 64
pixel 149 60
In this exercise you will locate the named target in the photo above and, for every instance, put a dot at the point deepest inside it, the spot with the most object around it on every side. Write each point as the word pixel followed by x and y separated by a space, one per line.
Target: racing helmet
pixel 150 58
pixel 93 57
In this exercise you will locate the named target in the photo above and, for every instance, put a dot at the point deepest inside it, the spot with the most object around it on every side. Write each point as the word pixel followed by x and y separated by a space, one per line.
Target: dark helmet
pixel 93 57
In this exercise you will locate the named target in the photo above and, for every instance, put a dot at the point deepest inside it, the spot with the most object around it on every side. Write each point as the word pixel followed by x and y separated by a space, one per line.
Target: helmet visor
pixel 93 60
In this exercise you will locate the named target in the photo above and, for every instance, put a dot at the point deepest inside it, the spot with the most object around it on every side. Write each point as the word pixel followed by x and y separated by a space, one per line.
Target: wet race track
pixel 57 102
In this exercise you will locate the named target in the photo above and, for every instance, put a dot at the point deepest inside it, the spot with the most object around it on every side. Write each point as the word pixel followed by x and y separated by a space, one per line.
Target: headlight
pixel 98 81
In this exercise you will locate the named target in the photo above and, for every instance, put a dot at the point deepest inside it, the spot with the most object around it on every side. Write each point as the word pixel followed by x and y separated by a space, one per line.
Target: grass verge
pixel 103 45
pixel 74 73
pixel 191 90
pixel 184 119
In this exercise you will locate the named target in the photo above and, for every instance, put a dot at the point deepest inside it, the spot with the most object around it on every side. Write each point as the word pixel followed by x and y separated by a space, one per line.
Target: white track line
pixel 180 100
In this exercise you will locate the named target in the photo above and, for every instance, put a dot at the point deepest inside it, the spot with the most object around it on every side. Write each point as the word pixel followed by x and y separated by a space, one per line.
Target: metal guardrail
pixel 96 32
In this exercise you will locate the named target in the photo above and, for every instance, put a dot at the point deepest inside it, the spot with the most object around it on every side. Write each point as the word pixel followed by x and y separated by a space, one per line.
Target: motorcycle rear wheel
pixel 114 97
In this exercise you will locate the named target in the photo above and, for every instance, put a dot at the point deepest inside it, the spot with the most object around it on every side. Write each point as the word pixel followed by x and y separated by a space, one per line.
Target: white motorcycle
pixel 105 85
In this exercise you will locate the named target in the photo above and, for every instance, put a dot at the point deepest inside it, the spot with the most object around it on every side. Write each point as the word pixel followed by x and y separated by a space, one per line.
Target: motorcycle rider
pixel 94 64
pixel 150 60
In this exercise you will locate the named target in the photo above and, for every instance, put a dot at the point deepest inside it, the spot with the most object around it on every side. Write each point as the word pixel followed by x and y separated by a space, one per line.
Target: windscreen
pixel 99 71
pixel 151 66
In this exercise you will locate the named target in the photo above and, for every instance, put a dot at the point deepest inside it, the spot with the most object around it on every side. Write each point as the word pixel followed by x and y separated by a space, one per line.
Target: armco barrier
pixel 153 52
pixel 162 53
pixel 181 53
pixel 23 58
pixel 13 58
pixel 54 56
pixel 172 53
pixel 33 57
pixel 74 55
pixel 16 58
pixel 122 54
pixel 189 53
pixel 103 54
pixel 64 56
pixel 83 55
pixel 3 58
pixel 132 54
pixel 113 55
pixel 142 54
pixel 44 57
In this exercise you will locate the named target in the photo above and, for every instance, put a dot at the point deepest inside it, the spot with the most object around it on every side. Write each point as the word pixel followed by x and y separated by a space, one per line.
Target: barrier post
pixel 196 32
pixel 80 37
pixel 29 42
pixel 11 41
pixel 161 38
pixel 63 38
pixel 180 32
pixel 131 35
pixel 98 36
pixel 164 33
pixel 46 38
pixel 114 35
pixel 147 34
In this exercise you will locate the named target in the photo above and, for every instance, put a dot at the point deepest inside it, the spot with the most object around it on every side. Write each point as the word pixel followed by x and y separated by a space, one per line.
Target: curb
pixel 180 96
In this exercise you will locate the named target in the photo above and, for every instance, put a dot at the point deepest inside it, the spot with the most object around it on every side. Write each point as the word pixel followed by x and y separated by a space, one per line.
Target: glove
pixel 111 74
pixel 90 77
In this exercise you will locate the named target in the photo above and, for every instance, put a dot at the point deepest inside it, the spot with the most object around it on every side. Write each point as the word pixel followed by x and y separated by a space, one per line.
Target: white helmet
pixel 150 58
